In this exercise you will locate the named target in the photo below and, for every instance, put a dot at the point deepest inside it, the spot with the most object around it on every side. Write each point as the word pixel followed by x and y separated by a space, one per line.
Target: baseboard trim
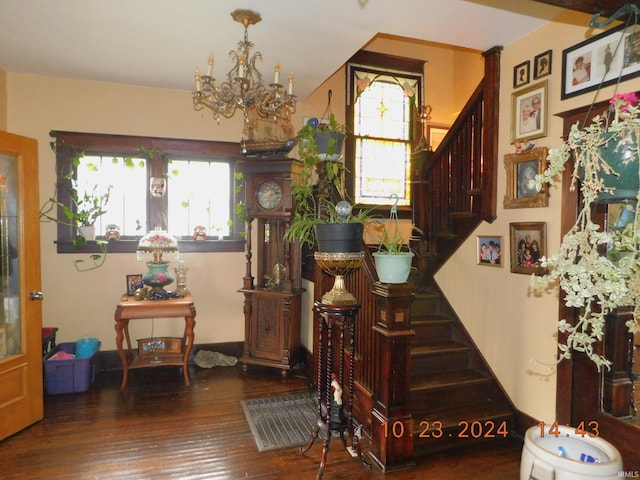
pixel 522 422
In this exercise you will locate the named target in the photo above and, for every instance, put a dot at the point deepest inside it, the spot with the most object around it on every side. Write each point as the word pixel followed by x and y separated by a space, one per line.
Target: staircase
pixel 454 397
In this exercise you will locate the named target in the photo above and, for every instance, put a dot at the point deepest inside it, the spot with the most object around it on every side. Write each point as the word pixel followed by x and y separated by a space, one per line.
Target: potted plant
pixel 393 258
pixel 596 284
pixel 321 211
pixel 83 209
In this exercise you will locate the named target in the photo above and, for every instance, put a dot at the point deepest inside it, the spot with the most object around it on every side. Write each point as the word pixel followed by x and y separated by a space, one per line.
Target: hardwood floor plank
pixel 160 429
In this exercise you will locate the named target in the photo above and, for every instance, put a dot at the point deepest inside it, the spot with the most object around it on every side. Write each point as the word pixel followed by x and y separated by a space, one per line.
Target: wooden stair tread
pixel 447 379
pixel 438 347
pixel 429 320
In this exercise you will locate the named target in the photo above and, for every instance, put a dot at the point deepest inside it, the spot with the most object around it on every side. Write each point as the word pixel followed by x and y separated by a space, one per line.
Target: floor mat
pixel 281 422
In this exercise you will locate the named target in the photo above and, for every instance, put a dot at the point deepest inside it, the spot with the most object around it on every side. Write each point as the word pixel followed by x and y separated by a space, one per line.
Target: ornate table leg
pixel 121 327
pixel 188 338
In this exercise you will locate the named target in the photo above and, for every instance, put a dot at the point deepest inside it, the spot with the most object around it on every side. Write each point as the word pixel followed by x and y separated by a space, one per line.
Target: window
pixel 383 93
pixel 198 178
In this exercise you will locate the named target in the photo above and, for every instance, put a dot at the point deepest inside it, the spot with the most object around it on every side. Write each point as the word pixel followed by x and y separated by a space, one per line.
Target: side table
pixel 332 416
pixel 130 309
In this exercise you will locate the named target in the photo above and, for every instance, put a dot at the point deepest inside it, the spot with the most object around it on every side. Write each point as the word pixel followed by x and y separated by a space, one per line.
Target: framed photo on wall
pixel 529 112
pixel 542 65
pixel 435 134
pixel 521 169
pixel 489 250
pixel 603 58
pixel 528 241
pixel 521 74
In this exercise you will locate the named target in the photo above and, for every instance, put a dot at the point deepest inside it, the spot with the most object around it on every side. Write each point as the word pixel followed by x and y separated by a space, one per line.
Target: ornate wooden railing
pixel 455 186
pixel 454 190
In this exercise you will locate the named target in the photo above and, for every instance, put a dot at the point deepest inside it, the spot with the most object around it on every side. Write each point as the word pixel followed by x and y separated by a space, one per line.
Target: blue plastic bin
pixel 69 376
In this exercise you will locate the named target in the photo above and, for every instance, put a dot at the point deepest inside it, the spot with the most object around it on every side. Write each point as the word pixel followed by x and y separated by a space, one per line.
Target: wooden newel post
pixel 391 421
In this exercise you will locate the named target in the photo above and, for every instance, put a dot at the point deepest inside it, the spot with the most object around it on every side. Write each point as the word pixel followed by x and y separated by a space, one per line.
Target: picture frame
pixel 134 282
pixel 542 64
pixel 524 237
pixel 529 112
pixel 489 251
pixel 521 74
pixel 599 60
pixel 521 168
pixel 435 134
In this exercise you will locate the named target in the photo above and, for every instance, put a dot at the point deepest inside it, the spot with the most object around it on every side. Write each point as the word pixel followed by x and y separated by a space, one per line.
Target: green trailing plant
pixel 84 209
pixel 592 282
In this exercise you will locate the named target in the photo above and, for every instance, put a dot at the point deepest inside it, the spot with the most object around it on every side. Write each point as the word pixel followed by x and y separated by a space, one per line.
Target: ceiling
pixel 160 43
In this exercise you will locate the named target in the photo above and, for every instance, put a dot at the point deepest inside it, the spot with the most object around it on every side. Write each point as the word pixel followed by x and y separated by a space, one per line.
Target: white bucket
pixel 542 456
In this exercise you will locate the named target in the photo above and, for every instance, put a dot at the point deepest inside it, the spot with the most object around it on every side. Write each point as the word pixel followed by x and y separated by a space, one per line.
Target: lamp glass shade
pixel 155 244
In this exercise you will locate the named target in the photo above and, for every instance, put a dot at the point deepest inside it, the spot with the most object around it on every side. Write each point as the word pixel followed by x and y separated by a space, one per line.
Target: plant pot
pixel 329 145
pixel 393 268
pixel 339 237
pixel 621 153
pixel 88 232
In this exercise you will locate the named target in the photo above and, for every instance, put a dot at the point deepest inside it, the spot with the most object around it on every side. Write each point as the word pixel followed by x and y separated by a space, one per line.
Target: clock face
pixel 269 194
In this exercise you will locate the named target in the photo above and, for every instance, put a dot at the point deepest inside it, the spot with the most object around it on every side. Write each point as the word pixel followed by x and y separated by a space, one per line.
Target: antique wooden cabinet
pixel 272 299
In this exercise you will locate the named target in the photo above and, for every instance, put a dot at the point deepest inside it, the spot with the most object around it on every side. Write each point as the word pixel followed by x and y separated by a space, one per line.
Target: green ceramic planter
pixel 621 154
pixel 393 268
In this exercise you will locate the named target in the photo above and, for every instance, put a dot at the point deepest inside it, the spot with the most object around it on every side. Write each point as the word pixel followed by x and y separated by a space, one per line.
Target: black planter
pixel 329 145
pixel 339 237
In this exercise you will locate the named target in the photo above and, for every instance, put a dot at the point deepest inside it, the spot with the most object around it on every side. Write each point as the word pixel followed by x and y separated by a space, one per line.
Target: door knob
pixel 36 295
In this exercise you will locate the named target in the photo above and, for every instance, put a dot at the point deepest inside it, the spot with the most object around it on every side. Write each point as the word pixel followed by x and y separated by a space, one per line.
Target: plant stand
pixel 334 419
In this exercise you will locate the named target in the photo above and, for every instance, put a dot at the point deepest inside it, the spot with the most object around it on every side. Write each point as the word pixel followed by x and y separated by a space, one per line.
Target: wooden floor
pixel 160 429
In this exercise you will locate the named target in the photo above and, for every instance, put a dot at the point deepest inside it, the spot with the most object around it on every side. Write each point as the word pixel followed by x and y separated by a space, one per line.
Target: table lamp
pixel 154 245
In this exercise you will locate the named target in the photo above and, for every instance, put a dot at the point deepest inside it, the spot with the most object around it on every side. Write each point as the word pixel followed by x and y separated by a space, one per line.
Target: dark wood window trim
pixel 68 144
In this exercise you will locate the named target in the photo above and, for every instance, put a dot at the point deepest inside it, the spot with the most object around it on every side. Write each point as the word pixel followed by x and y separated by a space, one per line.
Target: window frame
pixel 380 63
pixel 68 144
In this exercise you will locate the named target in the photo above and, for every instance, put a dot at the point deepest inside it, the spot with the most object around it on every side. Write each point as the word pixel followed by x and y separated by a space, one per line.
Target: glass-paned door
pixel 20 305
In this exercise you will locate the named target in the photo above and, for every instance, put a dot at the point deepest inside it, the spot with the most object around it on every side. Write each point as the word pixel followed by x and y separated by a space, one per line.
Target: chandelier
pixel 244 87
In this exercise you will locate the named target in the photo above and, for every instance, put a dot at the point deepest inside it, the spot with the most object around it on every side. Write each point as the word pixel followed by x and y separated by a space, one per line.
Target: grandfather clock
pixel 272 299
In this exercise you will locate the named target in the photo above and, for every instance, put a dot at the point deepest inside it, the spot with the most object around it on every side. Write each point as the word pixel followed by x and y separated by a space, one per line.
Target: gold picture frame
pixel 489 251
pixel 521 168
pixel 529 112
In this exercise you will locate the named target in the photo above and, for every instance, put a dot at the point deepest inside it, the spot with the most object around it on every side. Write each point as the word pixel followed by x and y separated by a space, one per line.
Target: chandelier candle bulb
pixel 210 66
pixel 291 81
pixel 198 86
pixel 276 74
pixel 241 67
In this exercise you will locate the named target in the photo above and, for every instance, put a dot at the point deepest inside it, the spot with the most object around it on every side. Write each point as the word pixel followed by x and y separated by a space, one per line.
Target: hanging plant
pixel 596 284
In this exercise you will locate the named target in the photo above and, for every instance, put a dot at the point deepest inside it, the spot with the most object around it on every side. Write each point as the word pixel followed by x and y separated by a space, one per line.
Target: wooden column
pixel 391 420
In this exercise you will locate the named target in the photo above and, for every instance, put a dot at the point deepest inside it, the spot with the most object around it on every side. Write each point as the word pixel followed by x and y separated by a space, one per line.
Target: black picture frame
pixel 602 59
pixel 542 64
pixel 521 74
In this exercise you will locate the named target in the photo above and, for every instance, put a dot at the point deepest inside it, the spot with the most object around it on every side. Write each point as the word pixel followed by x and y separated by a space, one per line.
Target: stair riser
pixel 470 432
pixel 445 362
pixel 436 399
pixel 426 305
pixel 431 333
